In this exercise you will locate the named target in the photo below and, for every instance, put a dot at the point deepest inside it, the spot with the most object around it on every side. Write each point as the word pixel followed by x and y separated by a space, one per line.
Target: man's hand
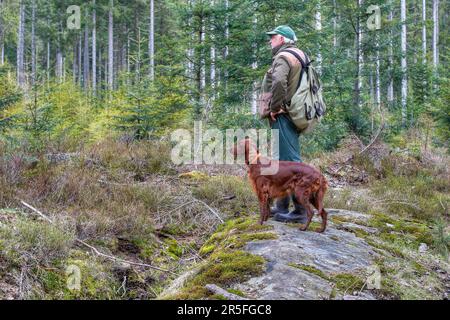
pixel 274 114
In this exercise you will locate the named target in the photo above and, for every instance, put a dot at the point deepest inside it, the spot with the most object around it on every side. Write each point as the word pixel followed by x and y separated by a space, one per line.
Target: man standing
pixel 281 82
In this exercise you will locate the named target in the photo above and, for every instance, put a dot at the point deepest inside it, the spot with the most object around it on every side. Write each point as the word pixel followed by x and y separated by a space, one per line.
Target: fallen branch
pixel 123 184
pixel 218 290
pixel 94 249
pixel 37 211
pixel 179 207
pixel 413 205
pixel 210 209
pixel 373 140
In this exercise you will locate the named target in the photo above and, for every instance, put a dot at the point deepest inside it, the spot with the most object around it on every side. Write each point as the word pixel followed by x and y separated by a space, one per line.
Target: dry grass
pixel 129 201
pixel 124 198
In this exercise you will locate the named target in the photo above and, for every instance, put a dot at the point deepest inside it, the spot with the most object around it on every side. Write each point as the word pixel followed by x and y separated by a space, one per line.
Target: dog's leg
pixel 310 214
pixel 267 210
pixel 304 201
pixel 262 208
pixel 324 216
pixel 318 203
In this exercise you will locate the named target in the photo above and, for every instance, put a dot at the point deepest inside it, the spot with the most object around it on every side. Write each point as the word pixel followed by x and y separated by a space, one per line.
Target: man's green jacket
pixel 282 78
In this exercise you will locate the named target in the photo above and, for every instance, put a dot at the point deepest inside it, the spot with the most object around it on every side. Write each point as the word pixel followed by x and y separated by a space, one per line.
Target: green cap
pixel 284 31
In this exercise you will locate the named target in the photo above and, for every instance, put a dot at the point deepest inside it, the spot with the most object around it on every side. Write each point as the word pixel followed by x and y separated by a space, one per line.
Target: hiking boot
pixel 297 215
pixel 281 206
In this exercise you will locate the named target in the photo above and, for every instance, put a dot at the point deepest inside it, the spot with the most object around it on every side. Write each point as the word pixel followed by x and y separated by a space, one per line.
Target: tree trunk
pixel 128 51
pixel 404 63
pixel 63 68
pixel 48 52
pixel 254 97
pixel 94 50
pixel 189 50
pixel 110 46
pixel 59 64
pixel 2 36
pixel 359 61
pixel 138 59
pixel 227 35
pixel 435 33
pixel 74 62
pixel 80 73
pixel 334 27
pixel 86 55
pixel 390 93
pixel 59 55
pixel 377 75
pixel 213 59
pixel 151 41
pixel 202 79
pixel 319 30
pixel 33 42
pixel 424 32
pixel 48 60
pixel 21 46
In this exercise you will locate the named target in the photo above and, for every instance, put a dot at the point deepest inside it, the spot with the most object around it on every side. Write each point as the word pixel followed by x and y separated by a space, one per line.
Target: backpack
pixel 307 106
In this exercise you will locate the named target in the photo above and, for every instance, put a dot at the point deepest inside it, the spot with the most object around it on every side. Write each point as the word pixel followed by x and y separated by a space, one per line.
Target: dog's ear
pixel 251 151
pixel 247 150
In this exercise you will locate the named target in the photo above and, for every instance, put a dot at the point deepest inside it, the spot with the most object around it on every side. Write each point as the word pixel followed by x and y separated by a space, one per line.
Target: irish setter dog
pixel 292 178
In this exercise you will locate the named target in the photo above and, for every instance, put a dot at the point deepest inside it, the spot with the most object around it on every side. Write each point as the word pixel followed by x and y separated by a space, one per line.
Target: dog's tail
pixel 320 205
pixel 324 184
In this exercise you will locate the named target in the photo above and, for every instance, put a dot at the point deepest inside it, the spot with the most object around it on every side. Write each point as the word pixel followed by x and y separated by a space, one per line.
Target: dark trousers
pixel 288 139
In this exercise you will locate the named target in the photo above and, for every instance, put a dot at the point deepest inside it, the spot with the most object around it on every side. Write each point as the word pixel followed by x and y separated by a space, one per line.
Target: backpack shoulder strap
pixel 304 62
pixel 297 53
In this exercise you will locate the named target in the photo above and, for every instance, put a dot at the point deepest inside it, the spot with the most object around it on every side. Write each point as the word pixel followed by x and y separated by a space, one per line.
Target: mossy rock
pixel 226 264
pixel 223 268
pixel 236 233
pixel 310 269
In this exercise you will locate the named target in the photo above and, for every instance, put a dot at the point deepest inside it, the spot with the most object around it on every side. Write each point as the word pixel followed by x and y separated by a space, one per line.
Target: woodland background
pixel 86 115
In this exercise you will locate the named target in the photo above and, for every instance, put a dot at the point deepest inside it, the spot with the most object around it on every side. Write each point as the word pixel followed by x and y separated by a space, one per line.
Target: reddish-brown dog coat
pixel 292 178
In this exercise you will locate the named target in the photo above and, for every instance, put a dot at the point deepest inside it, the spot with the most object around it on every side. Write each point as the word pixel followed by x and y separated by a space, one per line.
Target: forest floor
pixel 131 223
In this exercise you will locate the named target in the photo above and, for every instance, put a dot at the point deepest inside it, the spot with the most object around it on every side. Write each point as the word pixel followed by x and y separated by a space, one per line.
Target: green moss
pixel 337 219
pixel 392 249
pixel 217 297
pixel 310 269
pixel 222 268
pixel 347 282
pixel 420 269
pixel 96 281
pixel 236 233
pixel 174 249
pixel 227 264
pixel 312 226
pixel 236 292
pixel 194 175
pixel 243 224
pixel 207 249
pixel 147 247
pixel 400 233
pixel 52 280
